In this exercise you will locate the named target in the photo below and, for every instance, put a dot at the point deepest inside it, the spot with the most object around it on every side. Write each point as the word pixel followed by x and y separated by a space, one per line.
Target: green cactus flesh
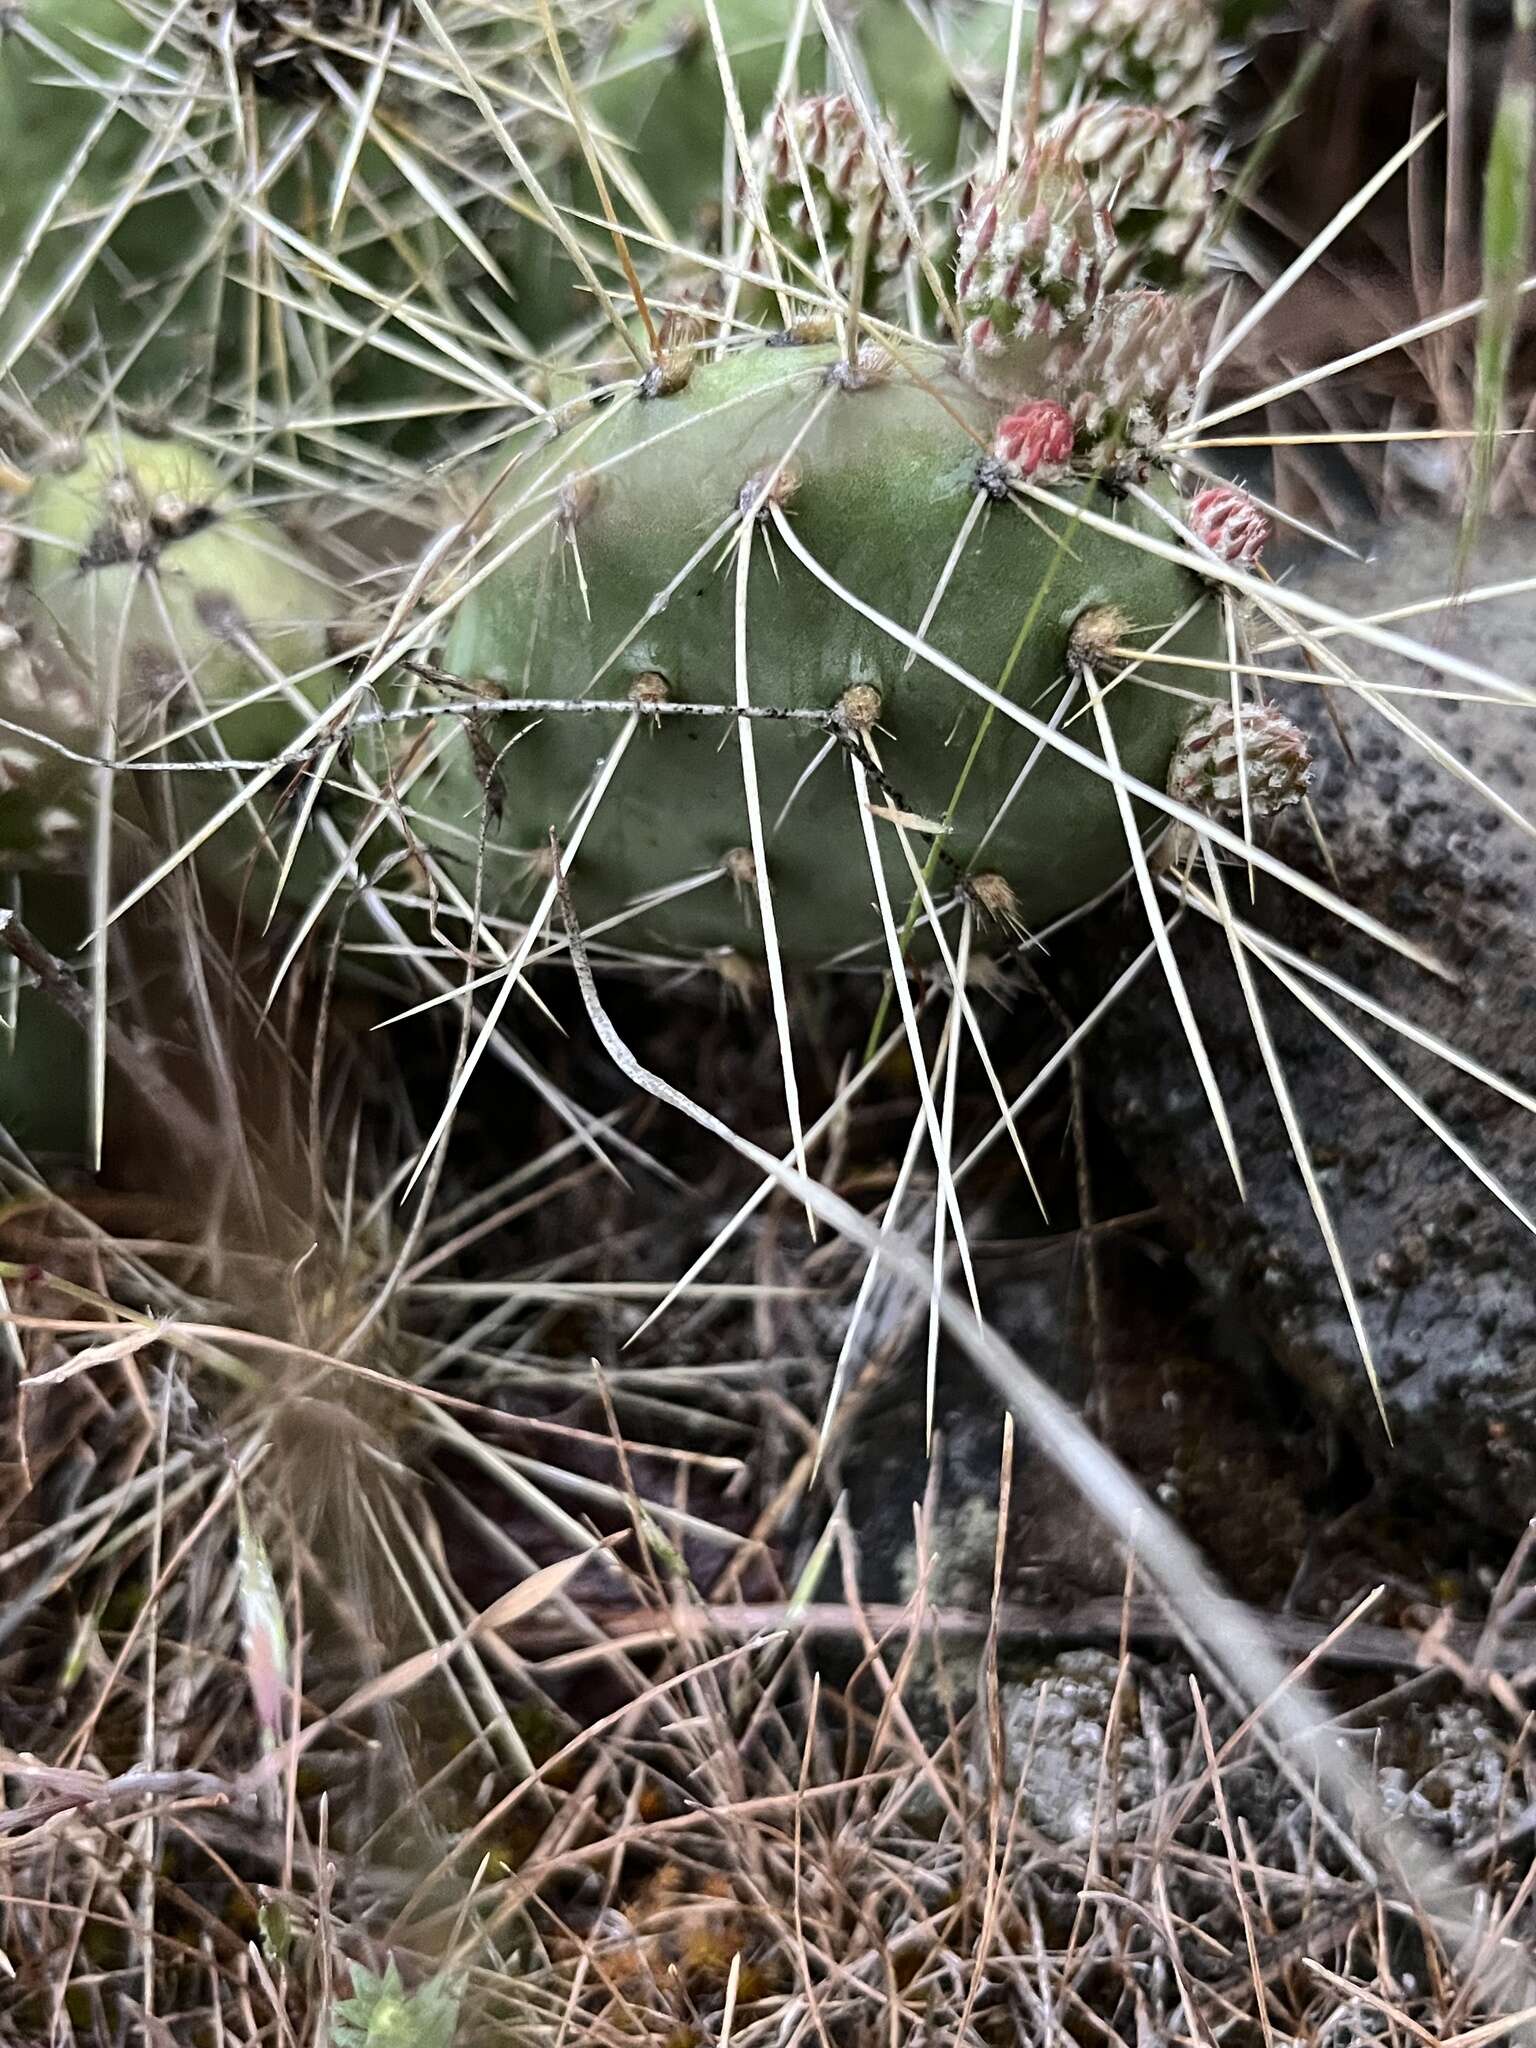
pixel 152 597
pixel 877 482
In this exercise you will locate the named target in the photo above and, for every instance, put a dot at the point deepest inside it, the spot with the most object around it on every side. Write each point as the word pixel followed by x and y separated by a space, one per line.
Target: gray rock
pixel 1446 1276
pixel 1445 1768
pixel 1056 1744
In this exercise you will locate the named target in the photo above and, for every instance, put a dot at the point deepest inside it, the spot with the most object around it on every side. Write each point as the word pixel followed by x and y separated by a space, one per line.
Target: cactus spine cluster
pixel 201 205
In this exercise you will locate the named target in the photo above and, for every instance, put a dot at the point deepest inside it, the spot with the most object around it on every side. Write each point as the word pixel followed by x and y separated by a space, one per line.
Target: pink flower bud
pixel 1036 440
pixel 1229 523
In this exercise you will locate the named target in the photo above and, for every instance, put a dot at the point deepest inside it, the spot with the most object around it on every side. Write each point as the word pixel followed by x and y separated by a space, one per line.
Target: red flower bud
pixel 1036 440
pixel 1229 523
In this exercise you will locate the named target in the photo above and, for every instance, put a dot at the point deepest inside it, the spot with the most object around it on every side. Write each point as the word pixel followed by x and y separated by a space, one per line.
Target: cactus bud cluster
pixel 1036 442
pixel 826 191
pixel 1210 768
pixel 1161 53
pixel 1043 322
pixel 1133 380
pixel 1033 250
pixel 1150 173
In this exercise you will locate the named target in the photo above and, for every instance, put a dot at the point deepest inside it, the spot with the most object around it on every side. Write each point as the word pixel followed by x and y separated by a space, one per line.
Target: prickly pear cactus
pixel 629 574
pixel 150 599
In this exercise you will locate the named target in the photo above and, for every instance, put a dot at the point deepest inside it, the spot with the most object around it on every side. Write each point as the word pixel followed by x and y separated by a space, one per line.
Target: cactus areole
pixel 619 571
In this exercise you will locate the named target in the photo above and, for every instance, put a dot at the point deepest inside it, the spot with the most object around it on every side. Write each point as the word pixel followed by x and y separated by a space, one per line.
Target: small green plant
pixel 381 2013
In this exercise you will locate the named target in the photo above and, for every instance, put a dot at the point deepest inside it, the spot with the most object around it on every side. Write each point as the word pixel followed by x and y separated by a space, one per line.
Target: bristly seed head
pixel 1228 522
pixel 1276 763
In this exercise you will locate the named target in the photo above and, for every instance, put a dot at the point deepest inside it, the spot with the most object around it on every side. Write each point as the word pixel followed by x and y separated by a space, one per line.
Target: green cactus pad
pixel 877 487
pixel 151 596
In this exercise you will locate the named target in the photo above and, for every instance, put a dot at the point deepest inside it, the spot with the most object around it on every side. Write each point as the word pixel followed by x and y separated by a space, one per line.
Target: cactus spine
pixel 834 478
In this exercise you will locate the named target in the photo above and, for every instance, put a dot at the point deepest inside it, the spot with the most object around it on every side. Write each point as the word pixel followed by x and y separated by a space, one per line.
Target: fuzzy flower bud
pixel 1033 249
pixel 1276 761
pixel 824 137
pixel 1148 171
pixel 1036 441
pixel 1159 53
pixel 1133 381
pixel 1230 524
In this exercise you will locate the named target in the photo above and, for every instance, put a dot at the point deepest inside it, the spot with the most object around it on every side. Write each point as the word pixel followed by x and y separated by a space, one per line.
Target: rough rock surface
pixel 1446 1276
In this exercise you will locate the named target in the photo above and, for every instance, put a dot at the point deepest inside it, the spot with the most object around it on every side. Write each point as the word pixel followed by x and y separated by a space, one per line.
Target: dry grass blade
pixel 1506 249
